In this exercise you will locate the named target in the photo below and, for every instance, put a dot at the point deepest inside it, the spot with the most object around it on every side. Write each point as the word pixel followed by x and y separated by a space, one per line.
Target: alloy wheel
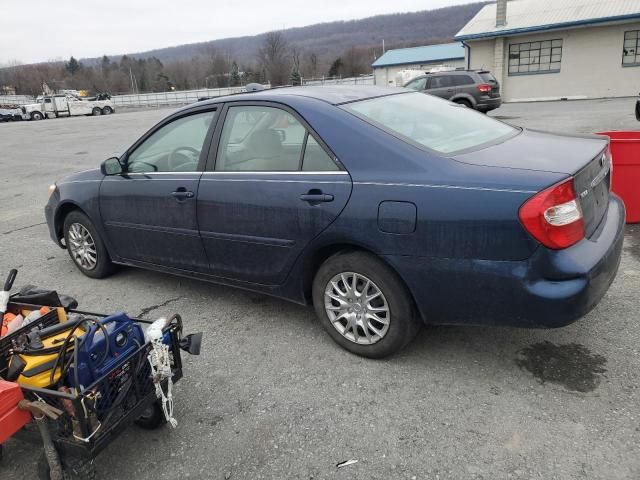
pixel 357 308
pixel 82 246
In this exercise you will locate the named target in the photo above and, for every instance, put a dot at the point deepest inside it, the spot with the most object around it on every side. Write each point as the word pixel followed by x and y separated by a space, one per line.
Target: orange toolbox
pixel 12 418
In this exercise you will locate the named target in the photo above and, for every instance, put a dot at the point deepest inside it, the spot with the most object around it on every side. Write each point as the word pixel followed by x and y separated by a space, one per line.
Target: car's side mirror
pixel 111 166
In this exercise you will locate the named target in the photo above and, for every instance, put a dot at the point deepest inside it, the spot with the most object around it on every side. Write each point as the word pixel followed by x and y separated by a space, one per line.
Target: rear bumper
pixel 550 289
pixel 487 104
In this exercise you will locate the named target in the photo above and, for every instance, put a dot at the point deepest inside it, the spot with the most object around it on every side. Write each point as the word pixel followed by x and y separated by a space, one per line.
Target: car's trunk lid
pixel 592 185
pixel 583 157
pixel 488 78
pixel 539 151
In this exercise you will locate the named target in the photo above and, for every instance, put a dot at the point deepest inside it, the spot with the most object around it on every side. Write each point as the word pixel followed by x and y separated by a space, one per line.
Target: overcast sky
pixel 40 30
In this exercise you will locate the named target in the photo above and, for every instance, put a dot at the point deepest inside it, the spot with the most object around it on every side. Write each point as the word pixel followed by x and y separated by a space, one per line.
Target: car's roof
pixel 332 94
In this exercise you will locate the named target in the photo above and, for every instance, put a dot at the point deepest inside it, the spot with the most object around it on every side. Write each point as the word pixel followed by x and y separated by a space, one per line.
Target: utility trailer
pixel 47 106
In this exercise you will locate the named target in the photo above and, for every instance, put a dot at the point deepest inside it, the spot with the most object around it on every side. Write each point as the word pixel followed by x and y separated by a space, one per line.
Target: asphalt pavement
pixel 272 397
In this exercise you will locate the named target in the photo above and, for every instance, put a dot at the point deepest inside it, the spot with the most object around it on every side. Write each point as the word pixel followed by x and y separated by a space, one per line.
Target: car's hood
pixel 93 174
pixel 540 151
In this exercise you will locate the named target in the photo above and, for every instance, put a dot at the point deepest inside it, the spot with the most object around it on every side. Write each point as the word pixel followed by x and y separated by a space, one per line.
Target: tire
pixel 72 468
pixel 36 116
pixel 107 111
pixel 98 263
pixel 465 103
pixel 402 323
pixel 152 418
pixel 96 111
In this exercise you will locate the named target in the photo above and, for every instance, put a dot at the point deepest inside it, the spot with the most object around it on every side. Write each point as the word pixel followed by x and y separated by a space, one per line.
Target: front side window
pixel 441 81
pixel 535 57
pixel 631 48
pixel 417 84
pixel 431 122
pixel 175 147
pixel 267 139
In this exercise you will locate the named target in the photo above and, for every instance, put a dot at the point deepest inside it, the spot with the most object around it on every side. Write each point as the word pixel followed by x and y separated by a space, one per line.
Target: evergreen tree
pixel 234 80
pixel 336 67
pixel 295 78
pixel 73 66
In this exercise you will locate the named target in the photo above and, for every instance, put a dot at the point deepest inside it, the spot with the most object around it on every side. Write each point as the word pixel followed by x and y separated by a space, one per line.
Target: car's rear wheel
pixel 96 111
pixel 107 111
pixel 85 247
pixel 364 305
pixel 464 102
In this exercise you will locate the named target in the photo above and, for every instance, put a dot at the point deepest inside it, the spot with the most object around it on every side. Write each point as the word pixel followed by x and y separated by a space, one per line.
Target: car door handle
pixel 182 194
pixel 316 197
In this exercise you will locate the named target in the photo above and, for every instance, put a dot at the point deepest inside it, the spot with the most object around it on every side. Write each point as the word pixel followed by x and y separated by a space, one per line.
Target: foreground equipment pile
pixel 82 377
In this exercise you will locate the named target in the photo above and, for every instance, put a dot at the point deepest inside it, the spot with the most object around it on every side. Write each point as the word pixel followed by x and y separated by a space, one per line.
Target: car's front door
pixel 274 186
pixel 149 212
pixel 441 86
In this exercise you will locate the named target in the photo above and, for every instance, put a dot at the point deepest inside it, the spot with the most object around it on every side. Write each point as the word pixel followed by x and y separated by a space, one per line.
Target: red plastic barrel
pixel 625 150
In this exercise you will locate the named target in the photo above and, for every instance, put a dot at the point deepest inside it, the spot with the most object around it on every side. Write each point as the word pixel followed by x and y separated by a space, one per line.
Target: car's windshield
pixel 432 122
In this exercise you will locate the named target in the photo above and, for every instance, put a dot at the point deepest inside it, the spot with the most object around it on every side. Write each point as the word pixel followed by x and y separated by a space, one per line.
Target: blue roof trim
pixel 551 26
pixel 416 63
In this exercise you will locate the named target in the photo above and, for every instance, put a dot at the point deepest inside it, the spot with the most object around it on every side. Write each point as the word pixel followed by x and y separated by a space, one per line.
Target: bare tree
pixel 312 68
pixel 272 57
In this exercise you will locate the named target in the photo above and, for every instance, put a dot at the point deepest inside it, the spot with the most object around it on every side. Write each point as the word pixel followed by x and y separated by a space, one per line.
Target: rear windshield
pixel 431 122
pixel 487 77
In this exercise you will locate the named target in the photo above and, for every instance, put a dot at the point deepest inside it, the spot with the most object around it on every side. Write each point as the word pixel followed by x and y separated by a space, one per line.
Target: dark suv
pixel 476 89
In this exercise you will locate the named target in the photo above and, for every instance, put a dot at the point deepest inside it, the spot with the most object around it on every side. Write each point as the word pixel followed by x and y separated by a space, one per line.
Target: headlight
pixel 52 188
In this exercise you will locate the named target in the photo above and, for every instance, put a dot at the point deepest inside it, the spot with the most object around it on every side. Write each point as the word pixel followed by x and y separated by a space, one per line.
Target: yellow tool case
pixel 13 342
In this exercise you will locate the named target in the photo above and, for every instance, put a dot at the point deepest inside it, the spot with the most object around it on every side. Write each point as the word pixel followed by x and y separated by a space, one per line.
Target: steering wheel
pixel 178 160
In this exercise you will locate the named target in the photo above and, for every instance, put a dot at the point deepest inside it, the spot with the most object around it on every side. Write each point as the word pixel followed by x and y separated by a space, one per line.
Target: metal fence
pixel 361 80
pixel 182 97
pixel 185 97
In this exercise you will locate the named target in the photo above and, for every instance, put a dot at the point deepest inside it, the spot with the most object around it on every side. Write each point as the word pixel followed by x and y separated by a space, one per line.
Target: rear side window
pixel 431 122
pixel 316 159
pixel 268 139
pixel 460 80
pixel 440 81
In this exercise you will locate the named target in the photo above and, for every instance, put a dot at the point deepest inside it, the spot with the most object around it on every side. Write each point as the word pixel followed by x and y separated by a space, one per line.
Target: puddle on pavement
pixel 572 366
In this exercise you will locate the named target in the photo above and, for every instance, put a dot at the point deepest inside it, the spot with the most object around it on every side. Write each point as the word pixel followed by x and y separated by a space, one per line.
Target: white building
pixel 391 62
pixel 553 49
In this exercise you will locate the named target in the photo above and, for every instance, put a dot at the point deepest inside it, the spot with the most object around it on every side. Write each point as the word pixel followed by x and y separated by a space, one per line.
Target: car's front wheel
pixel 85 247
pixel 364 305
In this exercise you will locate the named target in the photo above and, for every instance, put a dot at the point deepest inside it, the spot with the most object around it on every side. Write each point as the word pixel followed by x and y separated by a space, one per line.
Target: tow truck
pixel 47 106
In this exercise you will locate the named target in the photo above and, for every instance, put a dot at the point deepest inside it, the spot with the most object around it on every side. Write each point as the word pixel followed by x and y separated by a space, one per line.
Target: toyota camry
pixel 383 208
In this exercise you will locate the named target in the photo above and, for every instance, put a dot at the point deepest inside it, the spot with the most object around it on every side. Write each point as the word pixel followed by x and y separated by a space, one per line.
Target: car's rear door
pixel 441 86
pixel 464 85
pixel 270 187
pixel 149 212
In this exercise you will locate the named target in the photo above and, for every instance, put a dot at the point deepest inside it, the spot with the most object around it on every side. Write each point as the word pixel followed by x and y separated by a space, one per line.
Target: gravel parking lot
pixel 273 397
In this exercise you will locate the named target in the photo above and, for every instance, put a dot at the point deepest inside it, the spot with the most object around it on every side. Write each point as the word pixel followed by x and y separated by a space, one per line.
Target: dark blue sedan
pixel 384 208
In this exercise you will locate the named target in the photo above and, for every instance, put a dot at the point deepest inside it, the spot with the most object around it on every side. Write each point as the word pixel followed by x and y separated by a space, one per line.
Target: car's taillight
pixel 554 217
pixel 484 88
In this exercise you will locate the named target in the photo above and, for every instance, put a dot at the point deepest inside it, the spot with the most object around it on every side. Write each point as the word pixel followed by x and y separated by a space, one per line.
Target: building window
pixel 535 57
pixel 631 48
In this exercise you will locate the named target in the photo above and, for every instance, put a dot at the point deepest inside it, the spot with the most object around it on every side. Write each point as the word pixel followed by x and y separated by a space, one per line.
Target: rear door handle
pixel 316 197
pixel 182 194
